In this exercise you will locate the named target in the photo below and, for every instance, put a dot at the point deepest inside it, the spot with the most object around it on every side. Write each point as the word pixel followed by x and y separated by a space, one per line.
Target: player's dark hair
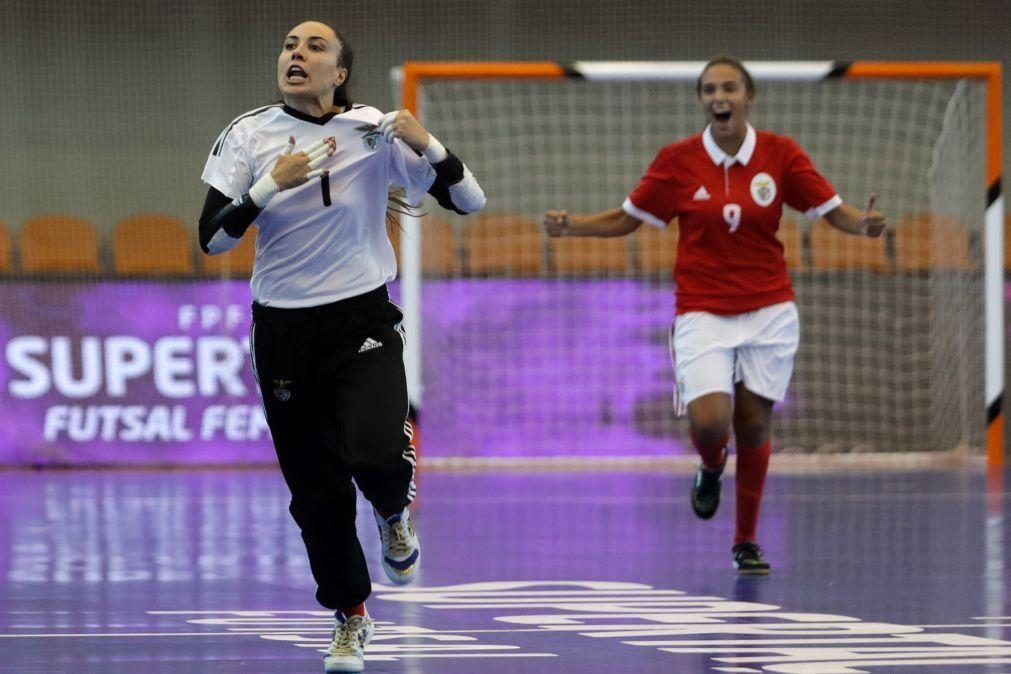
pixel 396 205
pixel 723 60
pixel 345 59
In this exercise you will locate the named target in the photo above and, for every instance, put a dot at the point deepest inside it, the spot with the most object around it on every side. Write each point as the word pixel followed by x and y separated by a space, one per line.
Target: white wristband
pixel 436 151
pixel 263 190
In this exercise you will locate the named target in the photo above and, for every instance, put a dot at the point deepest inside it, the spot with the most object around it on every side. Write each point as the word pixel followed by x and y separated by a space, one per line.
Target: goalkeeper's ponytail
pixel 345 60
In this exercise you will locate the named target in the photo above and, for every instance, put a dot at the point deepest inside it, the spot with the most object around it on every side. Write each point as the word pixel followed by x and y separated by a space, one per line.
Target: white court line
pixel 422 631
pixel 122 634
pixel 414 656
pixel 784 463
pixel 976 625
pixel 246 631
pixel 248 614
pixel 792 498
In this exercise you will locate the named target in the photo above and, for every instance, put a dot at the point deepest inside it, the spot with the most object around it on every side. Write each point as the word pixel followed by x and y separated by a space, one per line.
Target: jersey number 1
pixel 732 216
pixel 324 184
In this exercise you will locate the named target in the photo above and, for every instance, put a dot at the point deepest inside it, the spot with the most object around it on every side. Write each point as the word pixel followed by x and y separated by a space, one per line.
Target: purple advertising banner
pixel 155 373
pixel 560 368
pixel 128 373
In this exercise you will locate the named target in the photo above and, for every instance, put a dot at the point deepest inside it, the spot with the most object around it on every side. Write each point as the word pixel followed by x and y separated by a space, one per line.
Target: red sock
pixel 354 610
pixel 713 455
pixel 752 465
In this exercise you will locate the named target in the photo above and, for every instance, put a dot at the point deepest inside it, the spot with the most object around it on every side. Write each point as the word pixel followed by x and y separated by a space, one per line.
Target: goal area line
pixel 784 463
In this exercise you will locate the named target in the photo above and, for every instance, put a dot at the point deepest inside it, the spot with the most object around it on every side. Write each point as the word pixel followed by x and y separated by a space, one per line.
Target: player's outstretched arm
pixel 614 222
pixel 455 187
pixel 849 219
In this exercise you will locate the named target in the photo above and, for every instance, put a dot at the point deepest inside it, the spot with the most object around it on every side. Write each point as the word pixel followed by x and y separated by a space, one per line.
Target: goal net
pixel 531 347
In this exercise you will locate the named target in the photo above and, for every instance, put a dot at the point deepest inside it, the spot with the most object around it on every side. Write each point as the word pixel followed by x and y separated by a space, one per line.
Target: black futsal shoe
pixel 706 490
pixel 748 559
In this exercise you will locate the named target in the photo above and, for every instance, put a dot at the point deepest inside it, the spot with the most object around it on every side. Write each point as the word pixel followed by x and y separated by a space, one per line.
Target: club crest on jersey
pixel 763 189
pixel 281 390
pixel 371 139
pixel 371 136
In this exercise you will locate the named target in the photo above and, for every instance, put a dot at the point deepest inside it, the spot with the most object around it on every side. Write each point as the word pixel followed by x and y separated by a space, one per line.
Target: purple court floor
pixel 186 572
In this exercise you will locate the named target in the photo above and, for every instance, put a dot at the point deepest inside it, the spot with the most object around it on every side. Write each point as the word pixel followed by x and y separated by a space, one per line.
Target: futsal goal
pixel 521 346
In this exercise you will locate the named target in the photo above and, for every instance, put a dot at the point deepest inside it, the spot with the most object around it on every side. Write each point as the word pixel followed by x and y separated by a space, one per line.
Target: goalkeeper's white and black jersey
pixel 325 240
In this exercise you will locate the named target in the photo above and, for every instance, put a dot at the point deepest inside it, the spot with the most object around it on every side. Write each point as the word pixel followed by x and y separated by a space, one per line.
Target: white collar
pixel 720 157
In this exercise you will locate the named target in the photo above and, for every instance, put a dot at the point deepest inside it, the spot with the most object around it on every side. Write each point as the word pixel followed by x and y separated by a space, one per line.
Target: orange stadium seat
pixel 925 242
pixel 590 255
pixel 502 244
pixel 150 244
pixel 438 246
pixel 59 244
pixel 832 250
pixel 656 249
pixel 6 251
pixel 236 263
pixel 792 239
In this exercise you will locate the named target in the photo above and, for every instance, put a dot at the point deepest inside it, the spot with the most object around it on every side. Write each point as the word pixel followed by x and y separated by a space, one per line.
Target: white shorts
pixel 711 353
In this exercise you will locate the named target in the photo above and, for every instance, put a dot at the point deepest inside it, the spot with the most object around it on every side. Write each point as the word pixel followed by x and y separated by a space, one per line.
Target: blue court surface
pixel 185 572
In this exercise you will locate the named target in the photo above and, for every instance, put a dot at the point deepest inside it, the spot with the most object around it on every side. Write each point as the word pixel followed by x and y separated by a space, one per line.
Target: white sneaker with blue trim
pixel 347 647
pixel 401 549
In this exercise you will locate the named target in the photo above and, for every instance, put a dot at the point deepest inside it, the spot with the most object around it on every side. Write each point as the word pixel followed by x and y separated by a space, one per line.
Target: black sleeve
pixel 448 172
pixel 220 212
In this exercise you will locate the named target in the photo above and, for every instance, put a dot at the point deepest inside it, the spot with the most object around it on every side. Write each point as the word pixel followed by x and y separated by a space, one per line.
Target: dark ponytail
pixel 345 60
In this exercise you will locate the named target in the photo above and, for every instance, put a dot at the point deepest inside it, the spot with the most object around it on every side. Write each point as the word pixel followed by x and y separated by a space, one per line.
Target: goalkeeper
pixel 326 341
pixel 736 329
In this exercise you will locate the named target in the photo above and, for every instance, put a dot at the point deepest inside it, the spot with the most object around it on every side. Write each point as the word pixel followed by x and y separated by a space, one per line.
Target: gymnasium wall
pixel 111 106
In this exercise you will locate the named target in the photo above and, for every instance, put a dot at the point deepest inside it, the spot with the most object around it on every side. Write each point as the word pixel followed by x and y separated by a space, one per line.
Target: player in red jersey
pixel 737 329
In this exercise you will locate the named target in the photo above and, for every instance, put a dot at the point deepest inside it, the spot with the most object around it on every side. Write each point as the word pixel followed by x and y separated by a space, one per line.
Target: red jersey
pixel 729 260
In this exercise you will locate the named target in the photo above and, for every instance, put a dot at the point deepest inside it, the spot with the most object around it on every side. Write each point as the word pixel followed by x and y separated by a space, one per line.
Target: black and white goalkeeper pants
pixel 335 393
